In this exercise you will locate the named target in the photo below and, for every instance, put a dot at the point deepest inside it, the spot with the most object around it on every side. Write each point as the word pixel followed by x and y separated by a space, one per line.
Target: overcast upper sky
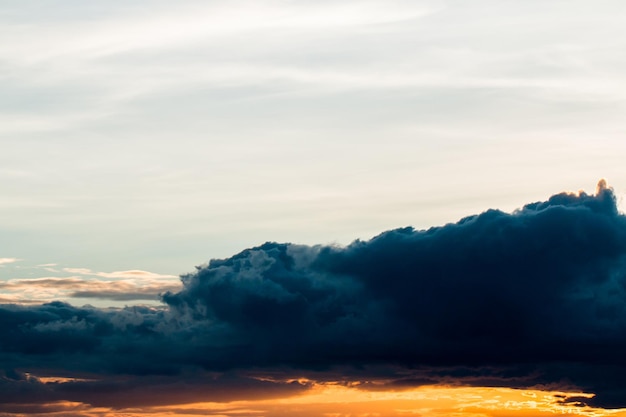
pixel 154 136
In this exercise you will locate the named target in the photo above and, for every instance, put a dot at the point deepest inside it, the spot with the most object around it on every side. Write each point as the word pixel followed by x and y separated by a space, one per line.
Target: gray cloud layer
pixel 535 297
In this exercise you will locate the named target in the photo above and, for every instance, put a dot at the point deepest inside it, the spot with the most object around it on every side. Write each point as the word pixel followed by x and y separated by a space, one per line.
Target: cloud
pixel 19 299
pixel 50 288
pixel 197 23
pixel 117 286
pixel 134 273
pixel 522 299
pixel 4 261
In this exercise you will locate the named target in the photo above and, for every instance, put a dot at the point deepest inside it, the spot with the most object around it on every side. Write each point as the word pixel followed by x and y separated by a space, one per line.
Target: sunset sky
pixel 307 208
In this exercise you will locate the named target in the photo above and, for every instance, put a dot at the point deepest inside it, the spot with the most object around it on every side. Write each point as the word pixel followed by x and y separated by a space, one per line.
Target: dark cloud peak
pixel 533 297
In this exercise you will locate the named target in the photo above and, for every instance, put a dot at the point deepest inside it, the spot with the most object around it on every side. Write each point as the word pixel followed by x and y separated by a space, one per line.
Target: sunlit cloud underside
pixel 341 400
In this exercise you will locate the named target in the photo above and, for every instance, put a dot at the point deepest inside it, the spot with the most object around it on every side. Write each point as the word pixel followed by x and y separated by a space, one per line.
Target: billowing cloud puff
pixel 534 297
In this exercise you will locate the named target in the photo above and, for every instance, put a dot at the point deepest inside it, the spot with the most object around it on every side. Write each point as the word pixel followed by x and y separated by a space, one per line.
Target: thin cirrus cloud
pixel 52 288
pixel 133 273
pixel 87 284
pixel 163 29
pixel 532 298
pixel 108 45
pixel 60 61
pixel 101 54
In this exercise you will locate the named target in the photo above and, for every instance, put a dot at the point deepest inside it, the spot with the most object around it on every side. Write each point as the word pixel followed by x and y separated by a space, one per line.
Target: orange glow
pixel 341 400
pixel 60 379
pixel 335 400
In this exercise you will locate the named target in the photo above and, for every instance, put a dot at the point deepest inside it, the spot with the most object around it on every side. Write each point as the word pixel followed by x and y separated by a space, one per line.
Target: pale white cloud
pixel 82 271
pixel 5 261
pixel 134 273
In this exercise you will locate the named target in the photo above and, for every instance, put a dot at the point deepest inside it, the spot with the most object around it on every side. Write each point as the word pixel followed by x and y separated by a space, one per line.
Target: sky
pixel 282 207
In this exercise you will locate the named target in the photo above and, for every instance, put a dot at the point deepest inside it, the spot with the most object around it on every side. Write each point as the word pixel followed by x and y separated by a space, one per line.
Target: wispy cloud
pixel 53 288
pixel 21 299
pixel 134 273
pixel 87 284
pixel 163 29
pixel 5 261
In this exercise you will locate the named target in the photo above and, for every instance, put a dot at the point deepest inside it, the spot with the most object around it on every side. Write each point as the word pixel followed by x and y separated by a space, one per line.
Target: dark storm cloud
pixel 534 297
